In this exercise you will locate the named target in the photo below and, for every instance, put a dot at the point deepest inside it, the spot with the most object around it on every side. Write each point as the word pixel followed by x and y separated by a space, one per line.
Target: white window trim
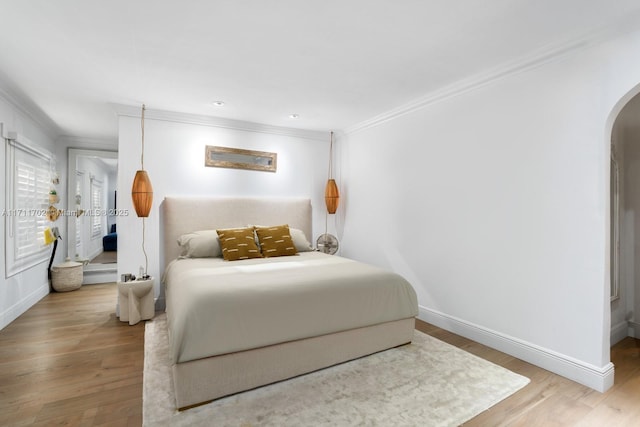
pixel 16 145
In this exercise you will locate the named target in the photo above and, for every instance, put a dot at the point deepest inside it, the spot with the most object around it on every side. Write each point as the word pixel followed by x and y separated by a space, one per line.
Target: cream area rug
pixel 425 383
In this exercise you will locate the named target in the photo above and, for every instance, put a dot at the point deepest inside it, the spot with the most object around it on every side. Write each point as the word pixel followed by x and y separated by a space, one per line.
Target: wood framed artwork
pixel 236 158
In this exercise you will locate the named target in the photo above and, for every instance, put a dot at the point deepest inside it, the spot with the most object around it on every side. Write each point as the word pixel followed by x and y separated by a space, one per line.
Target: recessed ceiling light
pixel 293 116
pixel 218 103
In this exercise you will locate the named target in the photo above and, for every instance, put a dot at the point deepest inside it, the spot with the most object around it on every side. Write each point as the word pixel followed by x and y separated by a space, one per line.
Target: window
pixel 79 219
pixel 97 216
pixel 28 184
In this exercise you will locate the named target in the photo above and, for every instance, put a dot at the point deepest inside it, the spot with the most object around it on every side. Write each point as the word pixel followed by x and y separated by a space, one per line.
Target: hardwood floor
pixel 552 400
pixel 69 361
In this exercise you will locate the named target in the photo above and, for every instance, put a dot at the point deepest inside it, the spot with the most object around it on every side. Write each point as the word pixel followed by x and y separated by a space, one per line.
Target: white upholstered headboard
pixel 183 214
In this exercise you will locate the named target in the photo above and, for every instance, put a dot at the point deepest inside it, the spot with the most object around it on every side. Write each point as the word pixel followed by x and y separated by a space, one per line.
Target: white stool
pixel 135 300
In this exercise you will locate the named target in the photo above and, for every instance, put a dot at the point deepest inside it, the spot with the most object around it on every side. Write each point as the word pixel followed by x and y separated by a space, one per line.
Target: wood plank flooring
pixel 69 361
pixel 551 400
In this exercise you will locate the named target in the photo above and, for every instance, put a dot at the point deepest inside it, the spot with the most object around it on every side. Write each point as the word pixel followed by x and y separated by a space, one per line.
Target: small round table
pixel 135 300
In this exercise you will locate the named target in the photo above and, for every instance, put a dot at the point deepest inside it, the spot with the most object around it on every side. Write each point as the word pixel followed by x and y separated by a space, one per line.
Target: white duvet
pixel 216 307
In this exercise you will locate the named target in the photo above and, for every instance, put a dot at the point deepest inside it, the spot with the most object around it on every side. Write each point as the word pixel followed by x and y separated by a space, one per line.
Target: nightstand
pixel 135 299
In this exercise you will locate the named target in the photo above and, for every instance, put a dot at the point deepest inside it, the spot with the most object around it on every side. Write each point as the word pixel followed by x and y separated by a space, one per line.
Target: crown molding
pixel 219 122
pixel 70 141
pixel 29 109
pixel 533 60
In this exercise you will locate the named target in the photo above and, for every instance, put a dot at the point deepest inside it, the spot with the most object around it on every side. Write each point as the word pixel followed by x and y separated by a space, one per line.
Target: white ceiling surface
pixel 336 63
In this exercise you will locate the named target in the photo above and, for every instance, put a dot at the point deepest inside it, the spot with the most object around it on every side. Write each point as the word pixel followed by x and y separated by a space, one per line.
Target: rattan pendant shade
pixel 331 193
pixel 141 190
pixel 142 193
pixel 331 196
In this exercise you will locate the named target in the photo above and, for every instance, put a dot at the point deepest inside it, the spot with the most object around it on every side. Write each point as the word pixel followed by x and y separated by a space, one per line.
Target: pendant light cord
pixel 331 156
pixel 146 259
pixel 326 215
pixel 326 222
pixel 142 126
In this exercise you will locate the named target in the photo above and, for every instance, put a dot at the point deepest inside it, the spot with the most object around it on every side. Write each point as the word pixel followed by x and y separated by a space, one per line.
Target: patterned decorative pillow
pixel 299 239
pixel 238 243
pixel 276 241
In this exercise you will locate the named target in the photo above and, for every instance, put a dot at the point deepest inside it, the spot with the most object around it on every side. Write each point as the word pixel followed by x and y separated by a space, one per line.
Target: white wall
pixel 21 291
pixel 494 203
pixel 174 160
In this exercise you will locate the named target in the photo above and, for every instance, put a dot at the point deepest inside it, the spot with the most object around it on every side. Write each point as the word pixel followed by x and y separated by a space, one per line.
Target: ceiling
pixel 335 63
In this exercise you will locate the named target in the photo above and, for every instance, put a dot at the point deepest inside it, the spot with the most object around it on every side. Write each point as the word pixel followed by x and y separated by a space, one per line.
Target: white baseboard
pixel 599 379
pixel 619 332
pixel 635 329
pixel 12 313
pixel 95 253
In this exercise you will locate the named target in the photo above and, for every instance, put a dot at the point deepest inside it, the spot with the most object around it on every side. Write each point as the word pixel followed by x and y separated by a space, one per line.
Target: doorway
pixel 92 230
pixel 625 222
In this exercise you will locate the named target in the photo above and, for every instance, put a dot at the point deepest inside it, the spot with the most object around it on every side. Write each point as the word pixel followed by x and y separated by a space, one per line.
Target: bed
pixel 238 325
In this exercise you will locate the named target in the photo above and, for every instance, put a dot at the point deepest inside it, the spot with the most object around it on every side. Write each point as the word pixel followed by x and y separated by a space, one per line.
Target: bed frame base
pixel 201 381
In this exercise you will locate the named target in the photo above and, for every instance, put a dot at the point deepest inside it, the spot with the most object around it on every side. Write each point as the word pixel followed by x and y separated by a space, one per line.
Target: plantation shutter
pixel 79 178
pixel 28 184
pixel 32 192
pixel 97 217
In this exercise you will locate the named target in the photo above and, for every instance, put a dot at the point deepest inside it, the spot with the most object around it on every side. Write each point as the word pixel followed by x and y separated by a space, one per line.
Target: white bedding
pixel 216 307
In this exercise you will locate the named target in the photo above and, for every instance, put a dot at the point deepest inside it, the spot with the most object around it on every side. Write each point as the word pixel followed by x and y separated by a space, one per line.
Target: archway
pixel 624 230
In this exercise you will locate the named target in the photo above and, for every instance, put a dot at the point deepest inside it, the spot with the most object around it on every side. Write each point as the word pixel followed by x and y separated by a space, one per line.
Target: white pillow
pixel 200 244
pixel 300 240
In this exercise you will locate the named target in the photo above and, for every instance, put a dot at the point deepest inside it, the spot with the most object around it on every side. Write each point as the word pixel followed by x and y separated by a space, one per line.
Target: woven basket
pixel 66 276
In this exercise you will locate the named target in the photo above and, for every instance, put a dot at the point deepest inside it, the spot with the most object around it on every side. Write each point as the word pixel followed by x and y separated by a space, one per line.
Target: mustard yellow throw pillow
pixel 276 241
pixel 238 243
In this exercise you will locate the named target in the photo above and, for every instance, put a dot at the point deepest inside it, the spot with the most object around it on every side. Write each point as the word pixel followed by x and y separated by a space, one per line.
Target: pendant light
pixel 331 194
pixel 142 196
pixel 142 191
pixel 326 242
